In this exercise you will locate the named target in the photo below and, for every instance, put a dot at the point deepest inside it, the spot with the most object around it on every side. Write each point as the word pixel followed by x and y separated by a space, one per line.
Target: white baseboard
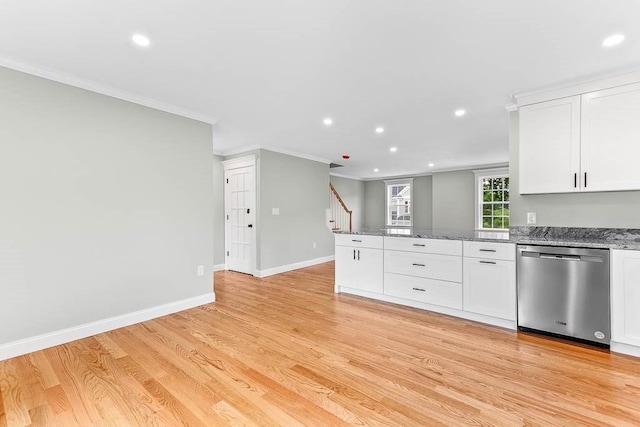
pixel 295 266
pixel 619 347
pixel 50 339
pixel 219 267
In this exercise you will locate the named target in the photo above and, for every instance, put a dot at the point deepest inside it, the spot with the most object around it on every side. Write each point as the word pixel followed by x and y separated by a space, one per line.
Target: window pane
pixel 486 184
pixel 497 210
pixel 497 222
pixel 486 222
pixel 505 222
pixel 506 196
pixel 497 196
pixel 486 197
pixel 486 209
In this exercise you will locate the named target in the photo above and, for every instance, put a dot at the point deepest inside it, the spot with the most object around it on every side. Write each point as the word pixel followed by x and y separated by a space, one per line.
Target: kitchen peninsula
pixel 472 274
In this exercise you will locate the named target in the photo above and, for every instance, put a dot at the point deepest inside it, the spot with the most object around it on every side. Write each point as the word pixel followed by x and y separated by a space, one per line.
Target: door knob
pixel 250 225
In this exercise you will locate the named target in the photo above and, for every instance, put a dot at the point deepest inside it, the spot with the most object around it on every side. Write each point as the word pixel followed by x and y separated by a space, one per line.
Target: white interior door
pixel 240 230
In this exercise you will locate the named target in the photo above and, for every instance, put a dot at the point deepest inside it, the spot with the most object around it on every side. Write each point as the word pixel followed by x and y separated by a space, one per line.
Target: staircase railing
pixel 341 216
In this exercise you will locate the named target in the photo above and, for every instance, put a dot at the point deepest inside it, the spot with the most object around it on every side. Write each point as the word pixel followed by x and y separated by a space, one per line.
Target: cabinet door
pixel 370 272
pixel 611 139
pixel 346 266
pixel 489 287
pixel 625 297
pixel 549 144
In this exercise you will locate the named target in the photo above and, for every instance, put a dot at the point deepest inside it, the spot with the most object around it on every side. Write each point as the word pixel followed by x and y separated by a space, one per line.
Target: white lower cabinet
pixel 360 267
pixel 471 279
pixel 489 287
pixel 625 297
pixel 489 279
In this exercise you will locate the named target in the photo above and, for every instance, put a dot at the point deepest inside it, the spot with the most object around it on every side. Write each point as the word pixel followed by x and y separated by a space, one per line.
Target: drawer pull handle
pixel 487 250
pixel 419 289
pixel 418 244
pixel 354 240
pixel 487 262
pixel 418 265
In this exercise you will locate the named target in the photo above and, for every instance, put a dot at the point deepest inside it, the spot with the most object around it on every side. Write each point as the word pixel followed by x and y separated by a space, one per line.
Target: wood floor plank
pixel 286 350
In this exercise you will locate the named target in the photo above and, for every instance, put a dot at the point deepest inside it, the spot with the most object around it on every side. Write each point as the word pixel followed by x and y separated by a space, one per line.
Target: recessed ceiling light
pixel 328 121
pixel 431 165
pixel 613 40
pixel 375 170
pixel 141 40
pixel 460 113
pixel 393 149
pixel 379 130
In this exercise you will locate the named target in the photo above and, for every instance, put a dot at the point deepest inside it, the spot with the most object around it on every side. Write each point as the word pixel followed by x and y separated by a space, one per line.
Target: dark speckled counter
pixel 605 238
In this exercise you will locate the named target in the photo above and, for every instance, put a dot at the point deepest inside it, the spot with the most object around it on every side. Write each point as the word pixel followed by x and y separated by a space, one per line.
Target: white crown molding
pixel 71 80
pixel 339 175
pixel 39 342
pixel 511 107
pixel 576 88
pixel 247 148
pixel 240 150
pixel 239 162
pixel 470 168
pixel 296 154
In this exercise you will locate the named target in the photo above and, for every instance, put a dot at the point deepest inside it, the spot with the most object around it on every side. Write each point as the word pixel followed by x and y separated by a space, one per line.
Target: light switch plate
pixel 275 211
pixel 201 270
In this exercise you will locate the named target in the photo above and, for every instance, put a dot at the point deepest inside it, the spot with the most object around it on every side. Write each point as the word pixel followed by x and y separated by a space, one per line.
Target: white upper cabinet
pixel 587 142
pixel 550 146
pixel 611 139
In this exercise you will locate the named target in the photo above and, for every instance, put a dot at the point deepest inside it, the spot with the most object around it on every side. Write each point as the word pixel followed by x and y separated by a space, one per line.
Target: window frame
pixel 479 176
pixel 387 211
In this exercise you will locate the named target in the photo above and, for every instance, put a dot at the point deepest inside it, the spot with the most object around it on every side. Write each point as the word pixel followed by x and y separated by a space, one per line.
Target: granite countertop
pixel 605 238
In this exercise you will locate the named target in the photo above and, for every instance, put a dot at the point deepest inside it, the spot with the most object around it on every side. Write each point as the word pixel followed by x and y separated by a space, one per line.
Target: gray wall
pixel 352 193
pixel 300 189
pixel 374 203
pixel 218 211
pixel 106 207
pixel 453 200
pixel 607 209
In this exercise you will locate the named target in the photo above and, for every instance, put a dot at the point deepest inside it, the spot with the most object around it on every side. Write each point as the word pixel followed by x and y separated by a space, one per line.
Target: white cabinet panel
pixel 441 267
pixel 438 292
pixel 490 250
pixel 625 297
pixel 489 287
pixel 359 241
pixel 549 146
pixel 370 272
pixel 610 139
pixel 359 268
pixel 346 266
pixel 432 246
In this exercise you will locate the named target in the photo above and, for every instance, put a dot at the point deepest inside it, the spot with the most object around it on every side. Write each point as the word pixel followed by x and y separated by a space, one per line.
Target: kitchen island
pixel 472 274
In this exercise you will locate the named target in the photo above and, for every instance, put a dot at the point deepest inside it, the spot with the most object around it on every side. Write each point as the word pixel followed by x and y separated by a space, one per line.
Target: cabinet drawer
pixel 490 250
pixel 437 292
pixel 359 241
pixel 431 246
pixel 431 266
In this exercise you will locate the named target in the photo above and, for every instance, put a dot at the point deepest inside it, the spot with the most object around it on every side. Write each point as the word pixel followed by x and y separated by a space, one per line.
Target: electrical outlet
pixel 314 245
pixel 531 218
pixel 275 211
pixel 201 270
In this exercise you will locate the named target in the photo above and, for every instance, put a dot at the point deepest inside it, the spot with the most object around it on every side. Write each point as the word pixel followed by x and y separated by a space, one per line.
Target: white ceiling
pixel 270 70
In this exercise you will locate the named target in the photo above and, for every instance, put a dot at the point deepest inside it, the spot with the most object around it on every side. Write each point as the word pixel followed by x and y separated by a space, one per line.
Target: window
pixel 492 199
pixel 399 193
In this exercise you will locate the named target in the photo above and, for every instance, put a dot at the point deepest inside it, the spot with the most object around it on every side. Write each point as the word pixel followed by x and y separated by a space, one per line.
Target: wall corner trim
pixel 50 339
pixel 295 266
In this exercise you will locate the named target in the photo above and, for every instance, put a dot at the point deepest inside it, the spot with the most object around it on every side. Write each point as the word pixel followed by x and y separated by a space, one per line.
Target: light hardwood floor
pixel 286 351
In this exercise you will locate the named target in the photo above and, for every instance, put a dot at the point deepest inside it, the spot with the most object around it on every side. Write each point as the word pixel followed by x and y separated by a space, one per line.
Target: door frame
pixel 241 162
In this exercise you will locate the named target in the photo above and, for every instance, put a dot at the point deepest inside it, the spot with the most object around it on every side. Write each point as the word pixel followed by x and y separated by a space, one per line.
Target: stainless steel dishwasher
pixel 564 291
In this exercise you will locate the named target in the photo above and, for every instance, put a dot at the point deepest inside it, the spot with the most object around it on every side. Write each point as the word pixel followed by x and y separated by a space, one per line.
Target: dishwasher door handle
pixel 562 257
